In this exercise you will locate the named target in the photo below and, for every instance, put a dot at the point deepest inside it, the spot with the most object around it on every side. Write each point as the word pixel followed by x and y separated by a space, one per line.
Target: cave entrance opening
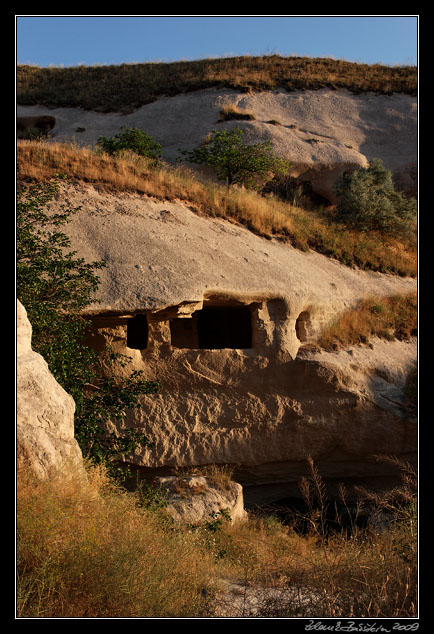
pixel 137 332
pixel 224 327
pixel 214 328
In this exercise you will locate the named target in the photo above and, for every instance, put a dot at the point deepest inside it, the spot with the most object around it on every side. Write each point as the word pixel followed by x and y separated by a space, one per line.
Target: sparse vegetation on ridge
pixel 129 86
pixel 266 215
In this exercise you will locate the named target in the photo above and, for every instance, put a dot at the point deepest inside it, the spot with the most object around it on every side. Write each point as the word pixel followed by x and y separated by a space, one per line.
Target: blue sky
pixel 92 40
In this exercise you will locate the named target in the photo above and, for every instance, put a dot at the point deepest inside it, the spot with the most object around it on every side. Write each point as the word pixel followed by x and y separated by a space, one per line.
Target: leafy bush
pixel 132 139
pixel 367 201
pixel 151 497
pixel 234 161
pixel 54 286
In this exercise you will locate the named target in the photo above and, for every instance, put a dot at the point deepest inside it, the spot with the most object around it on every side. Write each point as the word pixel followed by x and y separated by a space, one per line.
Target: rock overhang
pixel 167 263
pixel 172 269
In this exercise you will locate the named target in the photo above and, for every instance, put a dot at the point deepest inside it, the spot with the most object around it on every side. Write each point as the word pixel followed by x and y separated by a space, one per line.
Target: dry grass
pixel 265 215
pixel 90 550
pixel 331 573
pixel 219 476
pixel 232 112
pixel 387 317
pixel 129 86
pixel 360 577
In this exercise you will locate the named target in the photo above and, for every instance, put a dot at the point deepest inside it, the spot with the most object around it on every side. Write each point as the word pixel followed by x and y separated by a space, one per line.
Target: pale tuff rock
pixel 156 266
pixel 196 499
pixel 322 133
pixel 45 412
pixel 267 415
pixel 221 317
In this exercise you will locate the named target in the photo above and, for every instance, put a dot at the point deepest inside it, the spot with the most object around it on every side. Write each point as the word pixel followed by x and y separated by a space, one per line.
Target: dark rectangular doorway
pixel 224 327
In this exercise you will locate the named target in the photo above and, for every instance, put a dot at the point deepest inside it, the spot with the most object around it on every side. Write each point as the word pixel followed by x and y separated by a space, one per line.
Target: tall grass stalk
pixel 89 549
pixel 369 571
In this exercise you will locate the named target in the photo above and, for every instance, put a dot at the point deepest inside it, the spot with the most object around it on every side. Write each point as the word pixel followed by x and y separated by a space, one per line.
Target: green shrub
pixel 234 161
pixel 367 201
pixel 54 286
pixel 152 497
pixel 132 139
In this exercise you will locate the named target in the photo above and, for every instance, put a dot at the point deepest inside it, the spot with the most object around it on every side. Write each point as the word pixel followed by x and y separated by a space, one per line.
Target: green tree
pixel 235 162
pixel 368 201
pixel 132 139
pixel 54 286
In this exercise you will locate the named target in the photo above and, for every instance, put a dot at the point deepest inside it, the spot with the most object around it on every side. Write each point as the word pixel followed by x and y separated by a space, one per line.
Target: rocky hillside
pixel 226 319
pixel 326 116
pixel 322 133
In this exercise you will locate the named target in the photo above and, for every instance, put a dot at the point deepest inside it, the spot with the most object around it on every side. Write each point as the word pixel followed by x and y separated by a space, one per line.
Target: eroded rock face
pixel 161 255
pixel 260 409
pixel 322 133
pixel 221 317
pixel 45 412
pixel 196 499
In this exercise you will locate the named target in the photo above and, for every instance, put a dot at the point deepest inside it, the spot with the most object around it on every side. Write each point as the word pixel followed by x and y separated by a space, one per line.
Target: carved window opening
pixel 214 328
pixel 137 332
